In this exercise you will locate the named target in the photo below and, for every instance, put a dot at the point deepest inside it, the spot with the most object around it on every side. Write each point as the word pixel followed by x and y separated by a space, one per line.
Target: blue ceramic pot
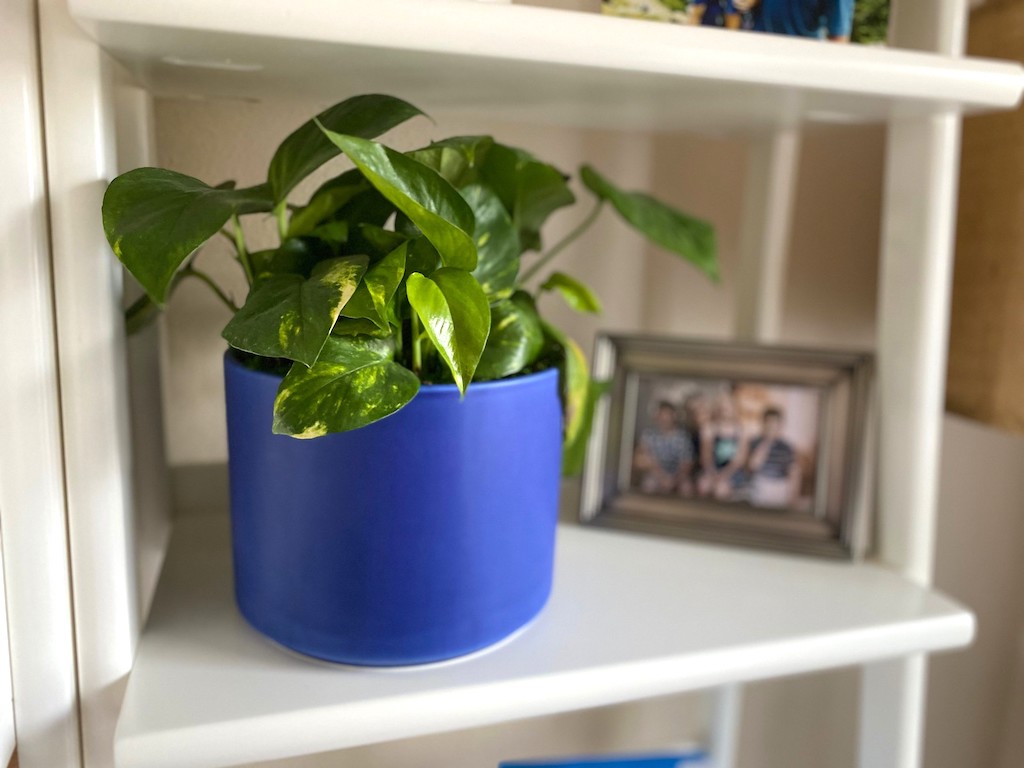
pixel 424 536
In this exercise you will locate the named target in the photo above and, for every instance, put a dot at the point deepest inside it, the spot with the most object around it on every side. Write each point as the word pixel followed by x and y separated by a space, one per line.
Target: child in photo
pixel 723 451
pixel 664 454
pixel 806 18
pixel 696 416
pixel 775 473
pixel 731 14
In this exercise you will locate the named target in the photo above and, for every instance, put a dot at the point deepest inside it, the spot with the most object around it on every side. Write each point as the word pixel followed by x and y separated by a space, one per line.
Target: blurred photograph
pixel 729 441
pixel 741 444
pixel 859 21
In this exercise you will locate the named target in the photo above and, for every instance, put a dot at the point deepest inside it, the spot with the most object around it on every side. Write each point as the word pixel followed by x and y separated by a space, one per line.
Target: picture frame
pixel 751 445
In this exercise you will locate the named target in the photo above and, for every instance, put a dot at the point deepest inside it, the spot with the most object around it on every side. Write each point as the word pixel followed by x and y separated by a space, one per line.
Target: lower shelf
pixel 630 617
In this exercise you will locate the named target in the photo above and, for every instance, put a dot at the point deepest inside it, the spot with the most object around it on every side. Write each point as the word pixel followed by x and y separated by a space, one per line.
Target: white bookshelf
pixel 631 616
pixel 204 684
pixel 531 64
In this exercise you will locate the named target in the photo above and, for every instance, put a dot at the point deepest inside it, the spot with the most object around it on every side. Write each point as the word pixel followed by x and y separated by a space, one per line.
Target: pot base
pixel 403 668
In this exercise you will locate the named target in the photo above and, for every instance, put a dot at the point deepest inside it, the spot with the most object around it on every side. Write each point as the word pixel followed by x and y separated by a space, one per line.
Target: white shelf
pixel 630 617
pixel 530 64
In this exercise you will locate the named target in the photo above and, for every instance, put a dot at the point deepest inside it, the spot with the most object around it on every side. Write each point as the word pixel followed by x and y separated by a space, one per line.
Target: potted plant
pixel 419 524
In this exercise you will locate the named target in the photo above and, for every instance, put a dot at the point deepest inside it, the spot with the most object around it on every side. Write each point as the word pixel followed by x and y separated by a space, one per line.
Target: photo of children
pixel 862 21
pixel 733 442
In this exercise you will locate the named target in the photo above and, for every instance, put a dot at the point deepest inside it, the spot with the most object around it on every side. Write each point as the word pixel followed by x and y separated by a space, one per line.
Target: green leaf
pixel 497 243
pixel 530 190
pixel 154 219
pixel 354 383
pixel 456 316
pixel 382 240
pixel 370 301
pixel 457 159
pixel 576 386
pixel 429 201
pixel 359 326
pixel 574 452
pixel 287 316
pixel 515 340
pixel 689 237
pixel 576 294
pixel 332 232
pixel 423 257
pixel 325 202
pixel 306 149
pixel 293 256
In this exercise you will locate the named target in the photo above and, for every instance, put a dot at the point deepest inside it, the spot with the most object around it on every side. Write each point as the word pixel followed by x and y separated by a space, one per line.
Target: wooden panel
pixel 986 364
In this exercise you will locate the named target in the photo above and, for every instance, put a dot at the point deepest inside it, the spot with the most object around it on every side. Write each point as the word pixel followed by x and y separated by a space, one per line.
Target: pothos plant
pixel 406 269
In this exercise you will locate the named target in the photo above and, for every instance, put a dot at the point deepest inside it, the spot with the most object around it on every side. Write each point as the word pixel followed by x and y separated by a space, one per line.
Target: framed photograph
pixel 754 445
pixel 860 21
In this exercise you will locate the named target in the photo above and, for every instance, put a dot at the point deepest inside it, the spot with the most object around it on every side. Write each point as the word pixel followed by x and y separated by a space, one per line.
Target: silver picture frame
pixel 833 518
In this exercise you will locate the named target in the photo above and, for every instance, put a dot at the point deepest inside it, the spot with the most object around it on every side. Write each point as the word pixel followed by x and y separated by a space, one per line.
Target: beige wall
pixel 797 723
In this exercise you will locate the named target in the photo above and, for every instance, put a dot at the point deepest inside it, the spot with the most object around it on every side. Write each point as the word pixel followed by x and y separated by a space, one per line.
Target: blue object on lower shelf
pixel 689 759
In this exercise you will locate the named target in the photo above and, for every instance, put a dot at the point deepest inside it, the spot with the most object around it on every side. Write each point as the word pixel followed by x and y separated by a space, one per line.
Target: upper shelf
pixel 630 616
pixel 531 64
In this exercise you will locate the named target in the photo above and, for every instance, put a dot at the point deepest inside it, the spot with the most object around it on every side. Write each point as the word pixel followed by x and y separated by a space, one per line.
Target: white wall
pixel 977 697
pixel 797 723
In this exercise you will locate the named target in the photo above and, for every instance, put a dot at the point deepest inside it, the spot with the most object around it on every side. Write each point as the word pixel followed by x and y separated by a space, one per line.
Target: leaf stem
pixel 416 343
pixel 564 243
pixel 281 213
pixel 243 253
pixel 140 314
pixel 191 271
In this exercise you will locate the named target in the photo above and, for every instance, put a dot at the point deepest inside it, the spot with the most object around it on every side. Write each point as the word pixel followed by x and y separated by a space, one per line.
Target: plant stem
pixel 243 253
pixel 281 213
pixel 564 243
pixel 140 314
pixel 191 271
pixel 415 342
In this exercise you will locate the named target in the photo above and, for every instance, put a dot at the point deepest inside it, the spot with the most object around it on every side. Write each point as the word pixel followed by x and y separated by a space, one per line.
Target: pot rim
pixel 425 389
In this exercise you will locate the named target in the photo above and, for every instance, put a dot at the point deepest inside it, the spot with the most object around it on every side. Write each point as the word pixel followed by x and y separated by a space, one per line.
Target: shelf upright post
pixel 38 633
pixel 726 716
pixel 919 213
pixel 772 167
pixel 78 102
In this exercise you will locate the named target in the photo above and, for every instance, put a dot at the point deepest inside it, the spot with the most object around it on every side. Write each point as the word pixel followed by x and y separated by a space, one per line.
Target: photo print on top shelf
pixel 752 445
pixel 859 21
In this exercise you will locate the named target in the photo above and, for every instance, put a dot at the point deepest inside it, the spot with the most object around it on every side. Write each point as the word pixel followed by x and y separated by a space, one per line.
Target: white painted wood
pixel 136 147
pixel 917 242
pixel 892 713
pixel 32 511
pixel 80 140
pixel 530 64
pixel 772 168
pixel 631 616
pixel 916 273
pixel 727 702
pixel 922 159
pixel 769 190
pixel 8 738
